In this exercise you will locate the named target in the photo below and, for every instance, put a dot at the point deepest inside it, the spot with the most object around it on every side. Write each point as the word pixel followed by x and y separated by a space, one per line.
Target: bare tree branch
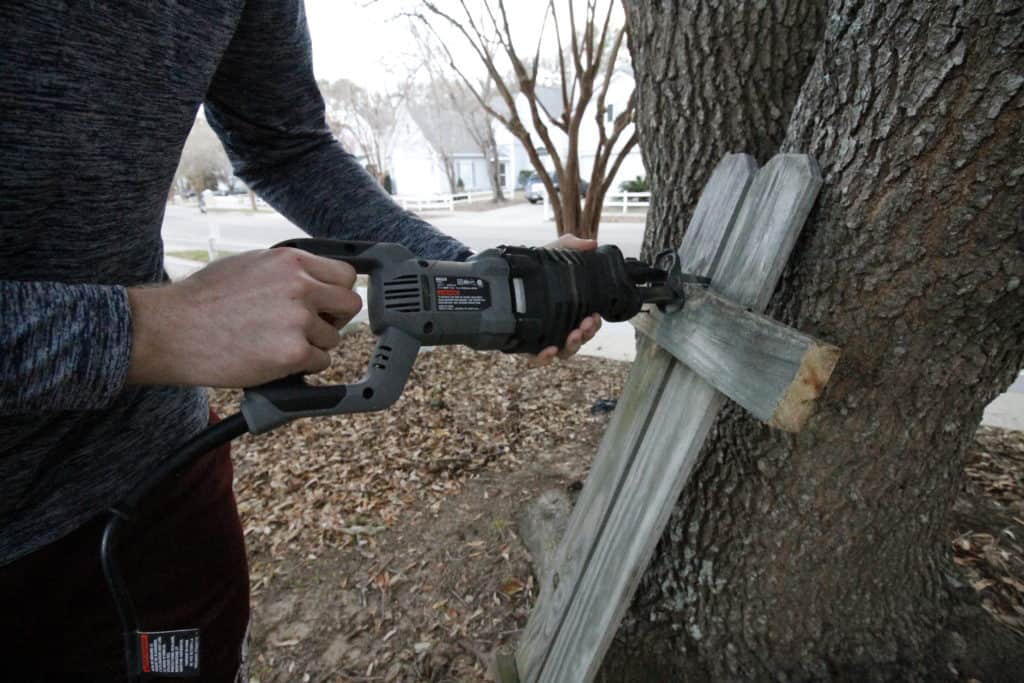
pixel 585 73
pixel 566 99
pixel 548 11
pixel 574 44
pixel 608 73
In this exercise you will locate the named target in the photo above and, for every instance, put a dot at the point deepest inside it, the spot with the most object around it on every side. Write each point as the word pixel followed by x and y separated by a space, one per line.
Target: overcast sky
pixel 354 40
pixel 365 42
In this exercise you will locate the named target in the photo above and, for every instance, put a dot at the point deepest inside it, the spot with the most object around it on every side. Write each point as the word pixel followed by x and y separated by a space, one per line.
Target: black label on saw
pixel 169 653
pixel 461 293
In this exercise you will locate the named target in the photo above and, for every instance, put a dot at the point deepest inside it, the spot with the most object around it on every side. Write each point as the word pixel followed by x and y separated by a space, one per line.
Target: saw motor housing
pixel 513 299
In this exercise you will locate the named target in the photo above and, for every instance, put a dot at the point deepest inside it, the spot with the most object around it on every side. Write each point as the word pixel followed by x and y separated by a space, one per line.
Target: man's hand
pixel 590 325
pixel 242 321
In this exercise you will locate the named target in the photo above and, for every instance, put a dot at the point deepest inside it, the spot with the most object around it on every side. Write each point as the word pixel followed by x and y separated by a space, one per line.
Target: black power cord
pixel 205 441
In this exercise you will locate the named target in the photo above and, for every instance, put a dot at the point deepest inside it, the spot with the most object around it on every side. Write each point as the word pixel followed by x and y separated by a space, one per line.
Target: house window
pixel 609 113
pixel 502 166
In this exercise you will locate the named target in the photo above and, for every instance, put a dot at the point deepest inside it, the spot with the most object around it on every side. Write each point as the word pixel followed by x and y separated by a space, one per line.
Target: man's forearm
pixel 266 108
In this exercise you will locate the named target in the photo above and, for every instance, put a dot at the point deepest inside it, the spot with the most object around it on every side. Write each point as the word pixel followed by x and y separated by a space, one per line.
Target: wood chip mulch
pixel 328 482
pixel 334 487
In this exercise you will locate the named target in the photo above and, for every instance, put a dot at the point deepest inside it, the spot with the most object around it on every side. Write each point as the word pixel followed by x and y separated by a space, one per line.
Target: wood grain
pixel 754 250
pixel 643 387
pixel 773 371
pixel 700 248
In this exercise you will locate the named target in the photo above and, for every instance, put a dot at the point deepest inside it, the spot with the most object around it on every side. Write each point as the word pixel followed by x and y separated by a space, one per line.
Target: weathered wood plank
pixel 781 195
pixel 773 371
pixel 678 429
pixel 716 209
pixel 625 431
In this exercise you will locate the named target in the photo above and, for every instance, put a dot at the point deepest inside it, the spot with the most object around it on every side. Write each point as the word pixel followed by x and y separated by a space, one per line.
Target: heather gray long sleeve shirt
pixel 96 100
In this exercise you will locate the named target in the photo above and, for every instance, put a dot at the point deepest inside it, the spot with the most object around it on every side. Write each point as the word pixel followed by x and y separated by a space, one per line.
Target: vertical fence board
pixel 624 433
pixel 745 263
pixel 769 222
pixel 678 428
pixel 716 209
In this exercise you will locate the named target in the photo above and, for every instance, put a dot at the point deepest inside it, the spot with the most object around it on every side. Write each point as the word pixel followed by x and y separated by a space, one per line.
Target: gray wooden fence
pixel 743 229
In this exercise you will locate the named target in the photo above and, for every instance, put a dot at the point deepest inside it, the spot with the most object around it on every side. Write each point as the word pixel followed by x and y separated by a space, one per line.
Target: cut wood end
pixel 798 402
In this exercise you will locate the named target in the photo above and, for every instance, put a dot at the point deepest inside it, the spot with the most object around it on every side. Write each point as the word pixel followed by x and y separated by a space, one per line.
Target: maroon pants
pixel 183 559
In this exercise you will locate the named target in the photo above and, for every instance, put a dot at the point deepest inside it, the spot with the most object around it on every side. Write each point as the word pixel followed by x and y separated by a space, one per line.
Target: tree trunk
pixel 825 555
pixel 494 166
pixel 712 77
pixel 449 172
pixel 571 214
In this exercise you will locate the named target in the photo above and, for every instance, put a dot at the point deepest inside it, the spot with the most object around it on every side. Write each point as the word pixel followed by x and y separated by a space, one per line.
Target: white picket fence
pixel 444 202
pixel 440 202
pixel 614 200
pixel 627 200
pixel 480 196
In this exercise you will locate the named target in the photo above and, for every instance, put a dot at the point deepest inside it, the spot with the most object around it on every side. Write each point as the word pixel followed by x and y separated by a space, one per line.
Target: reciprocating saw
pixel 513 299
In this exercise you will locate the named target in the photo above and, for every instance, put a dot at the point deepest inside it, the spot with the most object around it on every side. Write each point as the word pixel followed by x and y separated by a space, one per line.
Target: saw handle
pixel 272 404
pixel 365 257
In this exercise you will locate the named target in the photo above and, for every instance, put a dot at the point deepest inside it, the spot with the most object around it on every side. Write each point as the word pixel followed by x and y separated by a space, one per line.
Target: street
pixel 520 224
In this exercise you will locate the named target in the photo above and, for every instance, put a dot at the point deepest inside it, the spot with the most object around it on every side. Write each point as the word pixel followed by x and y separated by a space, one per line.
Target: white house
pixel 417 168
pixel 417 164
pixel 550 98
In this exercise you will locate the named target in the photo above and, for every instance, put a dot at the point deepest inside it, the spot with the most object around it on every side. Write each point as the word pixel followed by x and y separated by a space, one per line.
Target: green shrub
pixel 638 184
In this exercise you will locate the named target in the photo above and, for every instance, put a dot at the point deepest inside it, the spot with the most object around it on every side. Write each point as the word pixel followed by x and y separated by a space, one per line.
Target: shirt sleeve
pixel 62 347
pixel 264 104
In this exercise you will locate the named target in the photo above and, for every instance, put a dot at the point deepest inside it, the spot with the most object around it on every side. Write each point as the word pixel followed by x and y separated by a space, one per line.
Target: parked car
pixel 535 188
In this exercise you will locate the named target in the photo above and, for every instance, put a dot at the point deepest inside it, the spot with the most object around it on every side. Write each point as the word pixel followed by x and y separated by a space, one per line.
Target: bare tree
pixel 366 118
pixel 431 109
pixel 478 125
pixel 585 68
pixel 450 95
pixel 203 164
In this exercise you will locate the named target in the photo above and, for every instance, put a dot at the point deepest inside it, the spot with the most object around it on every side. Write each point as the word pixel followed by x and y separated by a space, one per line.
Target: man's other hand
pixel 590 325
pixel 242 321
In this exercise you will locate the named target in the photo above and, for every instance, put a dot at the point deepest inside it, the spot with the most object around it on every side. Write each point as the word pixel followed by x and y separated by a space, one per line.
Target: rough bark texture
pixel 712 77
pixel 824 556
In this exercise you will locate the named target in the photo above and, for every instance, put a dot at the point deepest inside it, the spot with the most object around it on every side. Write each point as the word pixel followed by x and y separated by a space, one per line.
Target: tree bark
pixel 825 555
pixel 494 166
pixel 712 77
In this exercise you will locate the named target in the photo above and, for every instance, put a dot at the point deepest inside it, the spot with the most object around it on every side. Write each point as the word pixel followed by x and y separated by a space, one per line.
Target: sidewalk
pixel 1007 411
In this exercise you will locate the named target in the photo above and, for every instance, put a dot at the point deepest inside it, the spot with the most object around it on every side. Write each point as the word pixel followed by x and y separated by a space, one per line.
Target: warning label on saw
pixel 461 293
pixel 170 652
